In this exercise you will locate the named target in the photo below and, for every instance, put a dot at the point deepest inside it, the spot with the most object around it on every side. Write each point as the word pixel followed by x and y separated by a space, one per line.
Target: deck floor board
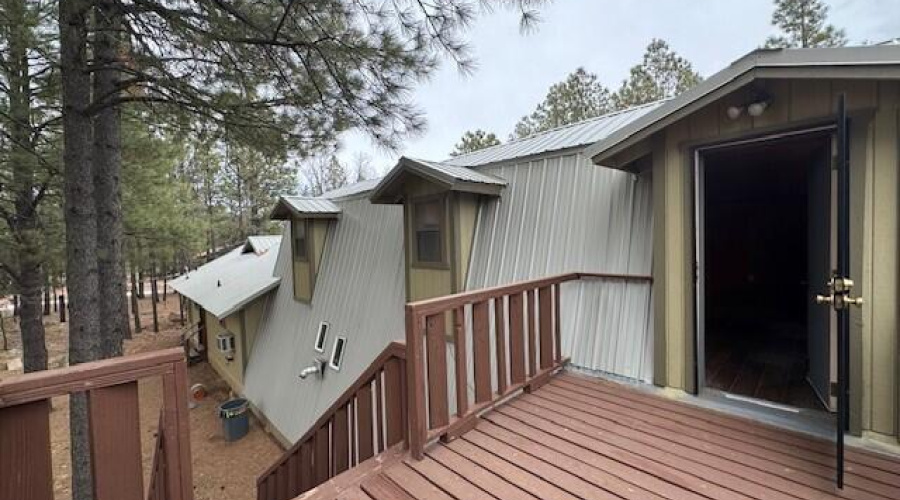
pixel 583 438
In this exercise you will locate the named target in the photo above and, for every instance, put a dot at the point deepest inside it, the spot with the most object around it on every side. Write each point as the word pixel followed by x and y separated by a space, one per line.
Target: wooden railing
pixel 369 417
pixel 520 323
pixel 111 387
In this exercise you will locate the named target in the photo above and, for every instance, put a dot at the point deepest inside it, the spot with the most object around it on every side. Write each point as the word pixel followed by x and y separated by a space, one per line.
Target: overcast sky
pixel 606 37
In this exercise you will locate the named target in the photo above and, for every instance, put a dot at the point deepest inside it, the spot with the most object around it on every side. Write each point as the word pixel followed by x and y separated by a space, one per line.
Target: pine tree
pixel 661 74
pixel 473 140
pixel 579 97
pixel 803 24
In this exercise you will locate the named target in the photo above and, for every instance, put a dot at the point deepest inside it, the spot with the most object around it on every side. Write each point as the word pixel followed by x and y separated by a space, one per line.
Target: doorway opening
pixel 765 226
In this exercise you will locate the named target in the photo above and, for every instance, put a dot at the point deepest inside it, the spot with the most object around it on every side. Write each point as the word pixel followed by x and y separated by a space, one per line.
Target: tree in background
pixel 251 181
pixel 662 74
pixel 29 176
pixel 473 140
pixel 325 172
pixel 579 97
pixel 803 24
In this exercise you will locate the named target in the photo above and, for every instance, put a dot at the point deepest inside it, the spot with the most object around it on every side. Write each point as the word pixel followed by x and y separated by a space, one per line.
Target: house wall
pixel 304 273
pixel 873 108
pixel 558 214
pixel 244 324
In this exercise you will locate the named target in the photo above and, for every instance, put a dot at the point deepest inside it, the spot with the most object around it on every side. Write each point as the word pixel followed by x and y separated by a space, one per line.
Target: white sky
pixel 607 37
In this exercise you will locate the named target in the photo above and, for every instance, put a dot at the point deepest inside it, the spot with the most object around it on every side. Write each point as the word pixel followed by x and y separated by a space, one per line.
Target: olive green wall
pixel 873 108
pixel 304 278
pixel 244 324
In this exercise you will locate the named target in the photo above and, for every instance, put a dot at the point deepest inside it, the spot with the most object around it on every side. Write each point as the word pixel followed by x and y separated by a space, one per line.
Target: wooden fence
pixel 526 351
pixel 367 419
pixel 111 387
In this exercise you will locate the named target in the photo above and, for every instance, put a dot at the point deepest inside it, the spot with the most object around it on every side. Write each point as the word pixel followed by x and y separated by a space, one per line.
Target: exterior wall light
pixel 757 108
pixel 735 112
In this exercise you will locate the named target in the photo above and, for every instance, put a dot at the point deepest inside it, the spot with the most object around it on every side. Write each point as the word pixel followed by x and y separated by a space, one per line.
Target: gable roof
pixel 288 207
pixel 842 62
pixel 557 139
pixel 225 285
pixel 453 177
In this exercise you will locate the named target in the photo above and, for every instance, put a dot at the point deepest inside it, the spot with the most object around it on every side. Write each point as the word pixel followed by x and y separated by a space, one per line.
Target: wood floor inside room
pixel 772 371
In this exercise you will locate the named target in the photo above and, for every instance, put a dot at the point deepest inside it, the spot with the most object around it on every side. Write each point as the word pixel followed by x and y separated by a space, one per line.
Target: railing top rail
pixel 103 373
pixel 440 304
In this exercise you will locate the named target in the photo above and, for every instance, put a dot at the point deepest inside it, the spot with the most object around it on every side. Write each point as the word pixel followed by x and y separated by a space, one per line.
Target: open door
pixel 840 287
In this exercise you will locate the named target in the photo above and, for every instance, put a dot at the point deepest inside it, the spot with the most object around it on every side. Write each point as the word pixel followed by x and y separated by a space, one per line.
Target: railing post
pixel 177 433
pixel 415 380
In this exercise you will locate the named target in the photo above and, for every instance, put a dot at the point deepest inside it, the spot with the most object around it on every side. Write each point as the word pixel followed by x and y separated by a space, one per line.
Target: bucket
pixel 235 418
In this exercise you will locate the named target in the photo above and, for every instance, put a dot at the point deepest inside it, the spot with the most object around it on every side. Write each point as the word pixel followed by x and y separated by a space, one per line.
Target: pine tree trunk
pixel 81 226
pixel 47 301
pixel 62 308
pixel 154 298
pixel 107 159
pixel 24 224
pixel 135 307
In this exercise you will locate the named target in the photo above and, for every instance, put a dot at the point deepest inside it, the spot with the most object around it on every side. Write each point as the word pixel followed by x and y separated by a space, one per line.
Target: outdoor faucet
pixel 318 368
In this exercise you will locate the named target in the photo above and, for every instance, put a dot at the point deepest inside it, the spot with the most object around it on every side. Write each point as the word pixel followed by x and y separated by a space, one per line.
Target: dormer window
pixel 301 242
pixel 429 232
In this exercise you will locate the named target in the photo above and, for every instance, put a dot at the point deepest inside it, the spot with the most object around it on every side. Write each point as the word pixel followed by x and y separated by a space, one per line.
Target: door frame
pixel 828 129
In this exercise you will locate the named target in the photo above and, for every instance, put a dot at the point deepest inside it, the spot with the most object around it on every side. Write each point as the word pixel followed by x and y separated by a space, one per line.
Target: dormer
pixel 440 208
pixel 309 219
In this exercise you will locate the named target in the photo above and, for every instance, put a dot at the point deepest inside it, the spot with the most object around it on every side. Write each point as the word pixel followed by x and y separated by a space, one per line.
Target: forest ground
pixel 222 470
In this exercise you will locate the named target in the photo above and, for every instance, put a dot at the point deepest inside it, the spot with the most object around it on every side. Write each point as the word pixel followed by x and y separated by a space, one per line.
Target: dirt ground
pixel 221 470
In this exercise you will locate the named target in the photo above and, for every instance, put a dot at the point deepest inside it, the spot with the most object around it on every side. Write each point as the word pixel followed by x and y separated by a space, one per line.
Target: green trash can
pixel 235 418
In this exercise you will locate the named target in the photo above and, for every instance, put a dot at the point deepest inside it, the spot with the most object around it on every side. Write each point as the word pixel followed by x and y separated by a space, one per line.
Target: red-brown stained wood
pixel 481 351
pixel 500 344
pixel 364 422
pixel 516 339
pixel 322 458
pixel 281 482
pixel 293 473
pixel 393 402
pixel 158 480
pixel 532 333
pixel 557 322
pixel 307 479
pixel 461 358
pixel 177 433
pixel 545 330
pixel 436 348
pixel 379 414
pixel 115 437
pixel 415 380
pixel 26 471
pixel 381 488
pixel 341 441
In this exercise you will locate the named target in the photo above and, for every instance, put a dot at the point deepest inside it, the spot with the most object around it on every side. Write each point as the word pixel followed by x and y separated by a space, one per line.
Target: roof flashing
pixel 448 177
pixel 303 207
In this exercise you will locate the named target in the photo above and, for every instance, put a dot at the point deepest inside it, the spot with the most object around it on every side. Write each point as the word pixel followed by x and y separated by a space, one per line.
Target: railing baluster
pixel 462 377
pixel 115 436
pixel 532 333
pixel 379 415
pixel 546 327
pixel 393 403
pixel 500 344
pixel 364 422
pixel 481 351
pixel 436 349
pixel 341 442
pixel 516 338
pixel 557 322
pixel 321 459
pixel 307 479
pixel 25 453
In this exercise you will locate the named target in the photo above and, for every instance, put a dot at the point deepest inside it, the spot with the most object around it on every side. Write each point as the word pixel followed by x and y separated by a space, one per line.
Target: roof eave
pixel 283 210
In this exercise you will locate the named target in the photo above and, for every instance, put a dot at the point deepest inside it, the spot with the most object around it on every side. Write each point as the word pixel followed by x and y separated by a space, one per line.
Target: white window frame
pixel 321 337
pixel 342 342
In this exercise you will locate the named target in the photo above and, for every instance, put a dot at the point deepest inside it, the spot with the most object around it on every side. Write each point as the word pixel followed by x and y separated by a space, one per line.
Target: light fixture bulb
pixel 757 108
pixel 734 112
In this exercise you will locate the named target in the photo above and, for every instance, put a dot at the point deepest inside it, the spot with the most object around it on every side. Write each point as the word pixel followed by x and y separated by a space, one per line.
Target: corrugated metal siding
pixel 360 291
pixel 564 214
pixel 569 136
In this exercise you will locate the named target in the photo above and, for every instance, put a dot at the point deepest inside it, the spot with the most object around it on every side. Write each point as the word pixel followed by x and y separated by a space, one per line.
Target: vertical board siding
pixel 360 291
pixel 563 214
pixel 25 463
pixel 115 432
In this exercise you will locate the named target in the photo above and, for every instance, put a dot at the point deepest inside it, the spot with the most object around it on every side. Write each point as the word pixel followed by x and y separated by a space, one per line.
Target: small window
pixel 337 355
pixel 321 337
pixel 428 221
pixel 301 244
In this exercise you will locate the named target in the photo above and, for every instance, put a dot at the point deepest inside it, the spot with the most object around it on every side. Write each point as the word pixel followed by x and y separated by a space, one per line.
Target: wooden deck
pixel 578 437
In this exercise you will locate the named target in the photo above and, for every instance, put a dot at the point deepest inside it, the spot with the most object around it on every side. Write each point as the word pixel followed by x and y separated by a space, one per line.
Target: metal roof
pixel 562 214
pixel 566 137
pixel 225 285
pixel 300 206
pixel 841 62
pixel 350 190
pixel 452 177
pixel 262 244
pixel 360 291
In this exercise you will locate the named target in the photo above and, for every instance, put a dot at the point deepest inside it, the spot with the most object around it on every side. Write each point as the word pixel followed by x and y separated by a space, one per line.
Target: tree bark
pixel 81 225
pixel 135 307
pixel 107 162
pixel 154 298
